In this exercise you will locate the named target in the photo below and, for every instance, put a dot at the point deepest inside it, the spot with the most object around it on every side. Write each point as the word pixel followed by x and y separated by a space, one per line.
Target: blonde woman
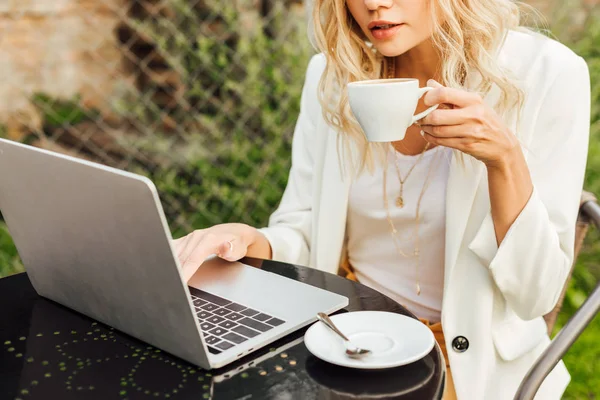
pixel 469 221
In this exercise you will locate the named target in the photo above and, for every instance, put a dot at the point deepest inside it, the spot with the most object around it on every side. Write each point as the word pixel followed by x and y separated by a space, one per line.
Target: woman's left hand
pixel 470 126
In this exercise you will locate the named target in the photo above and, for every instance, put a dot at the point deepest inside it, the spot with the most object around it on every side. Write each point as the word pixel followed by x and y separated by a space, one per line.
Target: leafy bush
pixel 61 113
pixel 587 272
pixel 233 123
pixel 235 186
pixel 582 359
pixel 10 262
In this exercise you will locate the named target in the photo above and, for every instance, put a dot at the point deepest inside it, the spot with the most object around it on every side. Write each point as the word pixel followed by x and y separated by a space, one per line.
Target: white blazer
pixel 494 297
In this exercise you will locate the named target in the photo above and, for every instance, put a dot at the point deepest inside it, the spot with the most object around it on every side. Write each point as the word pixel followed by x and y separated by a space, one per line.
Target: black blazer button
pixel 460 344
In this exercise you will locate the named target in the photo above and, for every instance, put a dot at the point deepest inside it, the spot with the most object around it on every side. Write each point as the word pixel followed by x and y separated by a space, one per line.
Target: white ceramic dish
pixel 394 339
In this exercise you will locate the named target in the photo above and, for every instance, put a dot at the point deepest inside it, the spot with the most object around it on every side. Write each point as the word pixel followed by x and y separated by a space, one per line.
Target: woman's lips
pixel 385 32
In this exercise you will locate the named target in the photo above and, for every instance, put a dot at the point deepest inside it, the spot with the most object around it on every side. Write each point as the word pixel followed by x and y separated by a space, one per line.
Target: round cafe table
pixel 51 352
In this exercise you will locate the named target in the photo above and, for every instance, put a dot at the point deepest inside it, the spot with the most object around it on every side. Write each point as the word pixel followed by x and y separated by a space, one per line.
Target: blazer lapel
pixel 333 208
pixel 463 180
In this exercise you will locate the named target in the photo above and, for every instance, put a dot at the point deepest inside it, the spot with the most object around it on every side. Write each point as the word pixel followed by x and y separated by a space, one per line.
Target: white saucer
pixel 394 339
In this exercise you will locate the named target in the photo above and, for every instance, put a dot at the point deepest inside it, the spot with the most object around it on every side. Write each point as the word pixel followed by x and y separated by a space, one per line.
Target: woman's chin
pixel 390 49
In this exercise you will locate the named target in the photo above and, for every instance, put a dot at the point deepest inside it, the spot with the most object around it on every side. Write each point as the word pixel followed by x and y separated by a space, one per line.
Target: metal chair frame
pixel 589 212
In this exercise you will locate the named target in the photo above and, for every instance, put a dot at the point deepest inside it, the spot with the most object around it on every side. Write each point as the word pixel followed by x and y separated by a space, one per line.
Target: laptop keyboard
pixel 225 324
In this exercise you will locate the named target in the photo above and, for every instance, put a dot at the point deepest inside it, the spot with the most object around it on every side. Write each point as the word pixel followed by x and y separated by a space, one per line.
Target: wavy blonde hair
pixel 468 40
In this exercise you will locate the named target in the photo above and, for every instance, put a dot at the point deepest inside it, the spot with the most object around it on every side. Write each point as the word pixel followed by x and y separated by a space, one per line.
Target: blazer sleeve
pixel 531 265
pixel 289 228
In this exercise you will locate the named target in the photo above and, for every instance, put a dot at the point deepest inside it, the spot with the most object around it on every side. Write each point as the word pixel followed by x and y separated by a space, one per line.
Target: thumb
pixel 232 250
pixel 433 83
pixel 224 249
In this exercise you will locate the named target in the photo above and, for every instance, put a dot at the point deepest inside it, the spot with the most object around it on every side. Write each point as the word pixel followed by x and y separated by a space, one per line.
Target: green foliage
pixel 587 46
pixel 236 114
pixel 582 359
pixel 235 76
pixel 582 362
pixel 10 262
pixel 587 272
pixel 229 188
pixel 61 113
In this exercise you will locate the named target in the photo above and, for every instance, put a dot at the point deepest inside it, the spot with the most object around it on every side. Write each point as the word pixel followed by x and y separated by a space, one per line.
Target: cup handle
pixel 425 113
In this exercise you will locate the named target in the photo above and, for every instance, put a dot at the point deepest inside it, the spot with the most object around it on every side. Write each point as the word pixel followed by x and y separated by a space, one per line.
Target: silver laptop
pixel 96 240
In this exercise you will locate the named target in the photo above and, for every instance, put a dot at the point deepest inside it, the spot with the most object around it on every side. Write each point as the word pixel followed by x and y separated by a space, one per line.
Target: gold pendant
pixel 418 289
pixel 399 202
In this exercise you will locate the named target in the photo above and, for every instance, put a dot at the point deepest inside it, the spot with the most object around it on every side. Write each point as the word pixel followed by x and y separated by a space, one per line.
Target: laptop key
pixel 234 316
pixel 222 311
pixel 236 307
pixel 249 312
pixel 212 340
pixel 204 314
pixel 275 321
pixel 213 350
pixel 209 307
pixel 209 297
pixel 199 302
pixel 232 337
pixel 218 331
pixel 242 330
pixel 259 326
pixel 205 326
pixel 262 317
pixel 224 345
pixel 228 324
pixel 215 319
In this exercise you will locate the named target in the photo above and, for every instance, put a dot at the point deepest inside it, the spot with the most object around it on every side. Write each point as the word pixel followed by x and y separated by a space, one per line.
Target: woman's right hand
pixel 228 241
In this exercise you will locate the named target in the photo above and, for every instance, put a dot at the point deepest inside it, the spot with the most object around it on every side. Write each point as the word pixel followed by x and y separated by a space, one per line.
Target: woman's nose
pixel 374 5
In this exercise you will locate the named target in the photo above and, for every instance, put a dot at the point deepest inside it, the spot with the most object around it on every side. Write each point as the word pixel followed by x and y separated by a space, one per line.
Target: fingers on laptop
pixel 190 267
pixel 188 246
pixel 194 248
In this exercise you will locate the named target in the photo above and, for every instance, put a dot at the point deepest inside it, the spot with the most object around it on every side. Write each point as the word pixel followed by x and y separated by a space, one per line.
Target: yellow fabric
pixel 438 333
pixel 346 270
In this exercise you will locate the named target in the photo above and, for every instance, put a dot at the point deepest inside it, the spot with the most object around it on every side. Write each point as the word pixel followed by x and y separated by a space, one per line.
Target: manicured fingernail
pixel 422 133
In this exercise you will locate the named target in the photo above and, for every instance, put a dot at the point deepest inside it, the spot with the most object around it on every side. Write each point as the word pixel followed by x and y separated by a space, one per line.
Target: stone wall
pixel 61 48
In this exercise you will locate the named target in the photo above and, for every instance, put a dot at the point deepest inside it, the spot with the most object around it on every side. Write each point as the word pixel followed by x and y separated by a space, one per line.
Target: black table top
pixel 51 352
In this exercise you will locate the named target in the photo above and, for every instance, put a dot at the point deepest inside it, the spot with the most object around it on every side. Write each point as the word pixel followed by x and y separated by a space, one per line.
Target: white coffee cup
pixel 384 108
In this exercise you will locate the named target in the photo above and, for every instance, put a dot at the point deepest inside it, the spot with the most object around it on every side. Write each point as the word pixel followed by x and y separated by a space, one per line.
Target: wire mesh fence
pixel 201 96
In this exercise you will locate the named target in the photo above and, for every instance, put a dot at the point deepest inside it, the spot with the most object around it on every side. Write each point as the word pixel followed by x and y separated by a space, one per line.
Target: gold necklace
pixel 400 198
pixel 390 67
pixel 390 72
pixel 393 229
